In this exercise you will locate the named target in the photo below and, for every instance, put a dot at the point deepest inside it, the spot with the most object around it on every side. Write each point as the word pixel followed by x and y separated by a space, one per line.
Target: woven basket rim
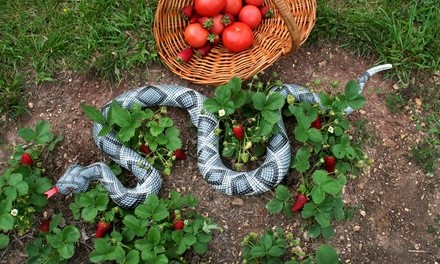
pixel 273 39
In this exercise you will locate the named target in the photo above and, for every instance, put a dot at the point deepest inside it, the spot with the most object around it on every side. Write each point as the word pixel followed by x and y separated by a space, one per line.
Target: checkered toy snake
pixel 275 166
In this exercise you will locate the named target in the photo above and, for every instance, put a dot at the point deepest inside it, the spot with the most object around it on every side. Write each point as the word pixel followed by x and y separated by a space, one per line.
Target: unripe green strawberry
pixel 248 145
pixel 244 157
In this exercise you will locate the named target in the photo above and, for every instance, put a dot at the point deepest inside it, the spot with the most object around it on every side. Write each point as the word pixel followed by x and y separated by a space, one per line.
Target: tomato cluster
pixel 230 22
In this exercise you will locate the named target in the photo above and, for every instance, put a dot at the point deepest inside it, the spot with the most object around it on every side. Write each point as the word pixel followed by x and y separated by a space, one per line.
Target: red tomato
pixel 237 37
pixel 209 8
pixel 250 15
pixel 217 26
pixel 195 35
pixel 254 2
pixel 233 7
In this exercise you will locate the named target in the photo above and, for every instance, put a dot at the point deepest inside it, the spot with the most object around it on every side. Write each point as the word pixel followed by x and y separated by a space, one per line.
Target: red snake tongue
pixel 51 192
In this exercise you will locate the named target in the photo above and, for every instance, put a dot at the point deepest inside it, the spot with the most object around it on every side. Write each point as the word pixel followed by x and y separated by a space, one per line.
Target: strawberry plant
pixel 157 231
pixel 91 204
pixel 22 184
pixel 56 245
pixel 247 118
pixel 324 158
pixel 152 133
pixel 278 246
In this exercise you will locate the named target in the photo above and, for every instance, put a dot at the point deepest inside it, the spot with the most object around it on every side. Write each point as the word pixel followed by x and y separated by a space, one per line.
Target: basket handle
pixel 290 23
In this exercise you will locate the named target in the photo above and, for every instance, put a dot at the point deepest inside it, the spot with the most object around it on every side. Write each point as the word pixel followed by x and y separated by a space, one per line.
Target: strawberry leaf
pixel 301 134
pixel 301 160
pixel 259 100
pixel 103 251
pixel 328 232
pixel 4 241
pixel 132 257
pixel 6 221
pixel 154 235
pixel 320 177
pixel 27 133
pixel 265 128
pixel 314 231
pixel 282 193
pixel 271 116
pixel 332 187
pixel 119 115
pixel 211 105
pixel 89 213
pixel 323 219
pixel 351 90
pixel 138 226
pixel 314 135
pixel 318 195
pixel 325 254
pixel 223 94
pixel 42 129
pixel 200 247
pixel 274 101
pixel 274 206
pixel 308 210
pixel 93 114
pixel 189 239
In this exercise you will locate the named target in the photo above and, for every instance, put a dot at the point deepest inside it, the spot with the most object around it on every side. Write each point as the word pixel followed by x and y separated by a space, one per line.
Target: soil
pixel 395 200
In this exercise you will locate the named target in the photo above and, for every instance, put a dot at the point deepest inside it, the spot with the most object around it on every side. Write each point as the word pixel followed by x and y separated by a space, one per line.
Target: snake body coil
pixel 267 176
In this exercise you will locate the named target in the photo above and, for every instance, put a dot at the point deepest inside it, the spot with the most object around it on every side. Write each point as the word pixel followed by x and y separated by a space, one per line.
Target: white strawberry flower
pixel 331 129
pixel 14 212
pixel 221 112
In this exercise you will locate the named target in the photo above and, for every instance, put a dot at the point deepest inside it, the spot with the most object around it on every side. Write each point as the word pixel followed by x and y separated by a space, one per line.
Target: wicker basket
pixel 274 37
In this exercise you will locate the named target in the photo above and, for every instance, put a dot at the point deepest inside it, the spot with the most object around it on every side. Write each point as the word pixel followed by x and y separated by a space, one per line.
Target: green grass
pixel 404 34
pixel 39 38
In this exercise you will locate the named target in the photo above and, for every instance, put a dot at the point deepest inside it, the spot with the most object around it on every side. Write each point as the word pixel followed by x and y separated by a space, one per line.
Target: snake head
pixel 72 182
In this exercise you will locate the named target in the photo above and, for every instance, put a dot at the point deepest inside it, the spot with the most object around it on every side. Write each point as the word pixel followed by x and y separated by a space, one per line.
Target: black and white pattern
pixel 266 177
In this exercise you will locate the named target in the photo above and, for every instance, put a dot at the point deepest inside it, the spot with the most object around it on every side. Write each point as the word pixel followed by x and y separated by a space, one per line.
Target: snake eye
pixel 70 189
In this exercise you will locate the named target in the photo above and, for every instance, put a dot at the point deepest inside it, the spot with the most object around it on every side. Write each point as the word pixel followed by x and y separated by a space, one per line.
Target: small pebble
pixel 356 228
pixel 237 201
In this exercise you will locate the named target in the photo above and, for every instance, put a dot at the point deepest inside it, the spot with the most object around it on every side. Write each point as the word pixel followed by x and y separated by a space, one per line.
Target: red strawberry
pixel 227 19
pixel 206 22
pixel 329 164
pixel 300 201
pixel 144 149
pixel 267 11
pixel 187 12
pixel 214 39
pixel 217 25
pixel 194 18
pixel 203 51
pixel 238 131
pixel 185 55
pixel 26 159
pixel 179 154
pixel 178 225
pixel 102 229
pixel 44 227
pixel 317 123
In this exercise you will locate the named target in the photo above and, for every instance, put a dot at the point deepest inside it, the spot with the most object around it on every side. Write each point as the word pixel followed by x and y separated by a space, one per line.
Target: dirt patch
pixel 396 201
